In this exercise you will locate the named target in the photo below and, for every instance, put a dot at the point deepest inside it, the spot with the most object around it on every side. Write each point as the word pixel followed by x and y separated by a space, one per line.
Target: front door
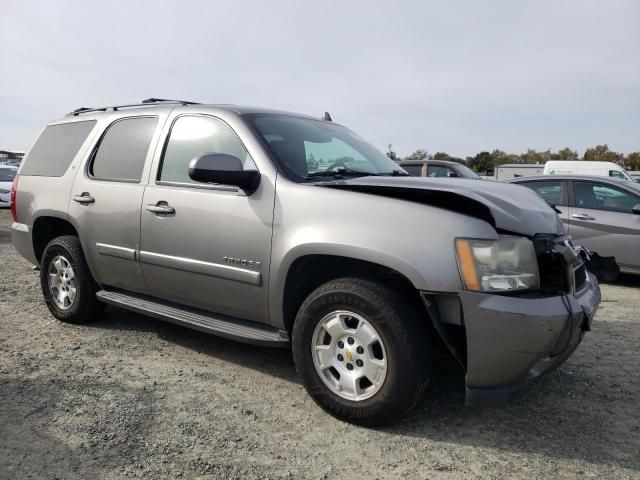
pixel 107 197
pixel 601 219
pixel 204 245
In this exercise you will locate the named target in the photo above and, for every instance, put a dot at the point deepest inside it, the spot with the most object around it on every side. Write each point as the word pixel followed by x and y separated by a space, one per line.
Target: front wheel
pixel 362 350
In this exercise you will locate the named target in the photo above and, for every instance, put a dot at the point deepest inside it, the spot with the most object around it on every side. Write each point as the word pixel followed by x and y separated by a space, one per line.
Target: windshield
pixel 466 171
pixel 7 174
pixel 307 149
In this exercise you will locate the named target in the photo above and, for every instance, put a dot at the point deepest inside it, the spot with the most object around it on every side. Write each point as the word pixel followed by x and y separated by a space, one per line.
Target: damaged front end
pixel 527 298
pixel 506 340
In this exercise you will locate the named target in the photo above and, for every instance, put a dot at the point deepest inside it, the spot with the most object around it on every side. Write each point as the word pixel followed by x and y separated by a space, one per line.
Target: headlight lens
pixel 3 191
pixel 506 264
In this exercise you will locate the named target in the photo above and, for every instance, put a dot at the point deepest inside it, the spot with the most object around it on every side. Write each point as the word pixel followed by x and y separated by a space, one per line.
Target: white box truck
pixel 585 167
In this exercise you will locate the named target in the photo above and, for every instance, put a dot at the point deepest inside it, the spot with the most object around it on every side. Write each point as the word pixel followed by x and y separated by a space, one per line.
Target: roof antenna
pixel 327 117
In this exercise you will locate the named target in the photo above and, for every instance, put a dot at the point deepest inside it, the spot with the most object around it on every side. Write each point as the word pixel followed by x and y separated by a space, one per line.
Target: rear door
pixel 601 219
pixel 107 196
pixel 554 192
pixel 211 246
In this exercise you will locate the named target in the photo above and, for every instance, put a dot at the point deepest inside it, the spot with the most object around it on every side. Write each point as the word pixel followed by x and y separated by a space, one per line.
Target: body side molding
pixel 205 268
pixel 116 251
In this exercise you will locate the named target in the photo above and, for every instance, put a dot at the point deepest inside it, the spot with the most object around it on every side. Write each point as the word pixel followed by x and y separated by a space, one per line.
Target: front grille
pixel 554 276
pixel 561 265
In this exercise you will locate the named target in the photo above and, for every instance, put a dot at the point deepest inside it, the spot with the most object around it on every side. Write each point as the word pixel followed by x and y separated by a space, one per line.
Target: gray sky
pixel 454 76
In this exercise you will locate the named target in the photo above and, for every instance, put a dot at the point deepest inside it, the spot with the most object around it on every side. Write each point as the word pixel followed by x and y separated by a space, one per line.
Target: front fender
pixel 415 240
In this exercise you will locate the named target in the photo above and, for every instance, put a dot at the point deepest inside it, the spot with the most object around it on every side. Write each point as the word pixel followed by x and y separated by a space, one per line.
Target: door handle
pixel 84 199
pixel 583 216
pixel 160 208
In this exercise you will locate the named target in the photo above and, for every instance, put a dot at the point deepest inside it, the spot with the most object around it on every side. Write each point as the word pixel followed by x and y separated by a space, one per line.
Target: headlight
pixel 508 263
pixel 3 191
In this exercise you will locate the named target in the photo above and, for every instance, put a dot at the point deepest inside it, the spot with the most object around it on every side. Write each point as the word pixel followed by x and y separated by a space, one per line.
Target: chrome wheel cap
pixel 349 355
pixel 62 282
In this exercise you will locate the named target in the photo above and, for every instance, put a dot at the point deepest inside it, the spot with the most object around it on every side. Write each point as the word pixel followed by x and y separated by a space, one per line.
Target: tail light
pixel 14 191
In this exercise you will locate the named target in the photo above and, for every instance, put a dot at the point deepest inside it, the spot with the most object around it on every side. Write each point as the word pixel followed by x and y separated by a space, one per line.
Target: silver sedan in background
pixel 7 174
pixel 600 213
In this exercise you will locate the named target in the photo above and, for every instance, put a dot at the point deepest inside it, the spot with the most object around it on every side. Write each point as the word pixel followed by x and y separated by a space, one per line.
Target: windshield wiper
pixel 395 173
pixel 343 172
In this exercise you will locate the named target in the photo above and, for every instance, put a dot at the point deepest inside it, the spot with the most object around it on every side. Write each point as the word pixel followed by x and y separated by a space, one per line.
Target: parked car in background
pixel 437 168
pixel 602 214
pixel 214 217
pixel 516 170
pixel 7 174
pixel 583 167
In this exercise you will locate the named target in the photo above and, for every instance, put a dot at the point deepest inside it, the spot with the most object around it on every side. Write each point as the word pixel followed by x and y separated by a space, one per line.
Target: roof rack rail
pixel 145 103
pixel 160 100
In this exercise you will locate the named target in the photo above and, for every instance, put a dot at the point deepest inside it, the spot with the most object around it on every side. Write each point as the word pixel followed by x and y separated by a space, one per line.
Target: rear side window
pixel 7 174
pixel 123 150
pixel 599 196
pixel 56 148
pixel 549 190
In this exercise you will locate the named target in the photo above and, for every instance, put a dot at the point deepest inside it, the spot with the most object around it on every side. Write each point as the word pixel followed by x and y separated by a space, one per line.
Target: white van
pixel 585 167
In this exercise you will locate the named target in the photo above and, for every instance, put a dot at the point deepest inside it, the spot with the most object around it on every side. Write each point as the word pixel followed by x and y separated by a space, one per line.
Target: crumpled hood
pixel 508 207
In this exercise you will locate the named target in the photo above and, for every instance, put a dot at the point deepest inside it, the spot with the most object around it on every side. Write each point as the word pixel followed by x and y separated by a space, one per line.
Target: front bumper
pixel 513 340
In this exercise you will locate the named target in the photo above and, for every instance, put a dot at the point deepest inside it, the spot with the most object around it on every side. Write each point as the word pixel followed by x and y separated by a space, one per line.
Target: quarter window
pixel 123 150
pixel 413 170
pixel 56 148
pixel 550 191
pixel 193 136
pixel 598 196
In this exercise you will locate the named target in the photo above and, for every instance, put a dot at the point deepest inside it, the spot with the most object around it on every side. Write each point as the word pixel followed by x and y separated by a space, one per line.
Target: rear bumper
pixel 513 341
pixel 21 237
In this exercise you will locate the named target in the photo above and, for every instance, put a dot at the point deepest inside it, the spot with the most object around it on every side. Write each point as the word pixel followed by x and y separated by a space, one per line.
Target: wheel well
pixel 309 272
pixel 46 229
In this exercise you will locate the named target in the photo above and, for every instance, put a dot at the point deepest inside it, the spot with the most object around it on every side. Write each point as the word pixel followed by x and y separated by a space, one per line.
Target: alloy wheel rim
pixel 349 355
pixel 62 282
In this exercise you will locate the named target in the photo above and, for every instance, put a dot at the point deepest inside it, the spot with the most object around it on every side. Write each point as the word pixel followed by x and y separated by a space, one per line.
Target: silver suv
pixel 275 229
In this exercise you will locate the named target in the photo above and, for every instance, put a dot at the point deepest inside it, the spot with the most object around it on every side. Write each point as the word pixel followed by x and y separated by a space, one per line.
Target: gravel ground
pixel 130 396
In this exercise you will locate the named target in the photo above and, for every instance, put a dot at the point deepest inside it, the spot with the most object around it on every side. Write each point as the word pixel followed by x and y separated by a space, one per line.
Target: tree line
pixel 486 161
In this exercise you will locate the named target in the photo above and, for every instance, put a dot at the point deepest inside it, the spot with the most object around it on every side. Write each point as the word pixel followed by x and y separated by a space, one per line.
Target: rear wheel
pixel 362 350
pixel 67 285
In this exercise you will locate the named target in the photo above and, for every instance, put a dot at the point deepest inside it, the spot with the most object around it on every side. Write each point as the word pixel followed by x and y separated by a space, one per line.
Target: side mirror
pixel 452 174
pixel 224 169
pixel 636 209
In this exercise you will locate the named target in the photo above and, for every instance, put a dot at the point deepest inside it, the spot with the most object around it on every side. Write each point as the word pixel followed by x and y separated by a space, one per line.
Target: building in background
pixel 11 157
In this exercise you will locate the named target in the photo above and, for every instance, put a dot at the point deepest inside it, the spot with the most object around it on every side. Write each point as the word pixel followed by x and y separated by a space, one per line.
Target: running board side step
pixel 223 326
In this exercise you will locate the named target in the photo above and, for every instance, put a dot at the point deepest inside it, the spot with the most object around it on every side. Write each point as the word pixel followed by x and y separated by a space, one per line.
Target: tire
pixel 405 339
pixel 84 307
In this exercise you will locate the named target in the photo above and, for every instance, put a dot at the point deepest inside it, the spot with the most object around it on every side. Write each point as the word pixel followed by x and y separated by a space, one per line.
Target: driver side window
pixel 192 136
pixel 439 171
